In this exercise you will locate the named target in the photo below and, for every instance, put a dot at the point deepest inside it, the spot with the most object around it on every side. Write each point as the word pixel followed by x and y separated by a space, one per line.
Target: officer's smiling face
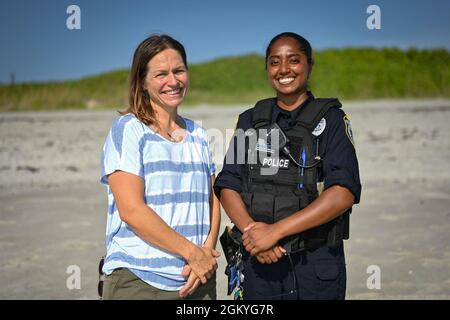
pixel 287 67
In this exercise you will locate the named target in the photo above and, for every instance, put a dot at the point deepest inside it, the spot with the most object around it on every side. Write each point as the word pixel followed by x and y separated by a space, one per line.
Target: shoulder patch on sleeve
pixel 348 129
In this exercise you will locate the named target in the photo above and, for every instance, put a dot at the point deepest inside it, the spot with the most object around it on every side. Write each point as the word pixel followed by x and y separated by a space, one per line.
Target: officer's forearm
pixel 330 204
pixel 235 208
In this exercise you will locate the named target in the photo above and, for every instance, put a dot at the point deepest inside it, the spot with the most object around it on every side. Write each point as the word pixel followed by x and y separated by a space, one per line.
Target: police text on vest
pixel 276 162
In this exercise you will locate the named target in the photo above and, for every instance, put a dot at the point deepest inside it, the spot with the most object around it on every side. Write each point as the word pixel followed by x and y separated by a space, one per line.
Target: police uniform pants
pixel 319 274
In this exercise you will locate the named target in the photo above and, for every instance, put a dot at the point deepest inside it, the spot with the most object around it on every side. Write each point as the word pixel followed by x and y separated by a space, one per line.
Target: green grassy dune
pixel 352 73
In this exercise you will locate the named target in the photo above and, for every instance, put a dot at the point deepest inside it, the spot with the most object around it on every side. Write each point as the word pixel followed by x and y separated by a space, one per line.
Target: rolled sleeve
pixel 227 180
pixel 344 179
pixel 340 165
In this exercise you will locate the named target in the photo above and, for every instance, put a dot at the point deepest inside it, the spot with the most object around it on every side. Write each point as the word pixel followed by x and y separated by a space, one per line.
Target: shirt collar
pixel 290 116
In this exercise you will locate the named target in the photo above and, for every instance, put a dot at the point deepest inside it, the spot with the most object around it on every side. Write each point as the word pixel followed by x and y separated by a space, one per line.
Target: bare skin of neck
pixel 290 102
pixel 168 123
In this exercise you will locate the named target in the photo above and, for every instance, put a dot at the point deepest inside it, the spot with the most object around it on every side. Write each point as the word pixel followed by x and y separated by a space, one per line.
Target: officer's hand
pixel 258 237
pixel 271 256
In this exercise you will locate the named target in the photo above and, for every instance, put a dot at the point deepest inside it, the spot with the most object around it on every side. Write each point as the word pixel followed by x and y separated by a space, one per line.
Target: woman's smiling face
pixel 287 67
pixel 167 79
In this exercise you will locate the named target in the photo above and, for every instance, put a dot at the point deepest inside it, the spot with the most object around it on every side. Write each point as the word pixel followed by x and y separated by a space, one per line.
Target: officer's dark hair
pixel 303 44
pixel 138 98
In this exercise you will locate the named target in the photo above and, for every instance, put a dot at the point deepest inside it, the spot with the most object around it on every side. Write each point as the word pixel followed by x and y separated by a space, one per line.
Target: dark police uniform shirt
pixel 336 148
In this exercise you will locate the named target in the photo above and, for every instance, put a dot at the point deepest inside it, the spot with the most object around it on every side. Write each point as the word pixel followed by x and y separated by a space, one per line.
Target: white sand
pixel 53 209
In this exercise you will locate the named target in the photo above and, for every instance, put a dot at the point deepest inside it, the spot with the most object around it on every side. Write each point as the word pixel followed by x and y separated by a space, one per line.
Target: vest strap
pixel 314 111
pixel 308 117
pixel 262 112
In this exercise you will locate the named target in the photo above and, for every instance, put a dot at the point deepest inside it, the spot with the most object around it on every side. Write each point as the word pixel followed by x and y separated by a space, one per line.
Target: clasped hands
pixel 200 267
pixel 261 241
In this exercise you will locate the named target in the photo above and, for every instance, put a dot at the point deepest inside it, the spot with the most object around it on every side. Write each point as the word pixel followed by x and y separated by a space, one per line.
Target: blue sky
pixel 37 46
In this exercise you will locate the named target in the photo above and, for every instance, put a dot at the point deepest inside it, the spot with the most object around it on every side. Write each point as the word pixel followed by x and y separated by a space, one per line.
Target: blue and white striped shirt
pixel 177 187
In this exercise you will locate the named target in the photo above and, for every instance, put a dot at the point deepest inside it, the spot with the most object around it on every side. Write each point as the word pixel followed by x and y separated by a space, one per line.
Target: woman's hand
pixel 192 283
pixel 271 256
pixel 202 261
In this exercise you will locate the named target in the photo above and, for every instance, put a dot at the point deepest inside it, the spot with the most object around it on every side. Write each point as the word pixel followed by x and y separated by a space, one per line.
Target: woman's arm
pixel 193 281
pixel 333 202
pixel 237 211
pixel 235 208
pixel 214 205
pixel 128 191
pixel 330 204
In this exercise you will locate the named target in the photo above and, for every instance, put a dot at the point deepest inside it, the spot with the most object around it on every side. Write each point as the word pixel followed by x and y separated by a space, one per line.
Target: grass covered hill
pixel 352 73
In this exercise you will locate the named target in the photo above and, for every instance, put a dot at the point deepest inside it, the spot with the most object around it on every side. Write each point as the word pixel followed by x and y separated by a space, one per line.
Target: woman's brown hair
pixel 138 98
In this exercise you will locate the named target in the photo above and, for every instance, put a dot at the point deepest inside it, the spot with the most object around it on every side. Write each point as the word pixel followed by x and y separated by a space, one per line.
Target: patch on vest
pixel 262 146
pixel 320 127
pixel 348 130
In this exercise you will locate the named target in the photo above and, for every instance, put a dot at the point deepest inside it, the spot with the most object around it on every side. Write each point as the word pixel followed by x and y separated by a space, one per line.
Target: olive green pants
pixel 123 284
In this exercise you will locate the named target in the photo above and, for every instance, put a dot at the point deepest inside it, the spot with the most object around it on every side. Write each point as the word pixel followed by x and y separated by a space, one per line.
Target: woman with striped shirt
pixel 163 218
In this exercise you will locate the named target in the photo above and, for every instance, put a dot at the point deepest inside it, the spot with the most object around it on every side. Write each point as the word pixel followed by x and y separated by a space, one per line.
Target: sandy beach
pixel 53 208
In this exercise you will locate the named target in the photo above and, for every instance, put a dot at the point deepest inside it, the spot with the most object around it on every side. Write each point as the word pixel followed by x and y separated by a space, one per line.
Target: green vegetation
pixel 352 73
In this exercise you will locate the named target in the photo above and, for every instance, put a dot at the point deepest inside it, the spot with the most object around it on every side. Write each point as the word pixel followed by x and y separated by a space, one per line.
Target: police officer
pixel 292 194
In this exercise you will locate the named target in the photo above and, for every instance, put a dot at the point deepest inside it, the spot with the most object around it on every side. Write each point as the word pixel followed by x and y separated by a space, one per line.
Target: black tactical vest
pixel 272 197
